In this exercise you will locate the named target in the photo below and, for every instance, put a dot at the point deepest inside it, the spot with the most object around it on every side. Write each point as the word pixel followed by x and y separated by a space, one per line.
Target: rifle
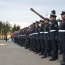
pixel 37 13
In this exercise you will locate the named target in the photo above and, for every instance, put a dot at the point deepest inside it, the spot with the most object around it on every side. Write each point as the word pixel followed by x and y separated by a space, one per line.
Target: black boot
pixel 62 63
pixel 53 59
pixel 44 57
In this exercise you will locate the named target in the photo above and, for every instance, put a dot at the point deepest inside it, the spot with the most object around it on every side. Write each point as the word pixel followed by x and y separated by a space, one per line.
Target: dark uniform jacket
pixel 53 26
pixel 62 27
pixel 37 30
pixel 41 30
pixel 46 32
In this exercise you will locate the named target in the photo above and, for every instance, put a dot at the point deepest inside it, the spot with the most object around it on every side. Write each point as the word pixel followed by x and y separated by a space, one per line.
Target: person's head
pixel 46 20
pixel 37 23
pixel 33 25
pixel 52 17
pixel 63 15
pixel 41 22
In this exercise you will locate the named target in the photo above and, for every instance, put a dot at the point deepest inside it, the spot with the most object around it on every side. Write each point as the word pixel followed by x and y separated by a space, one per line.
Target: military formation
pixel 45 37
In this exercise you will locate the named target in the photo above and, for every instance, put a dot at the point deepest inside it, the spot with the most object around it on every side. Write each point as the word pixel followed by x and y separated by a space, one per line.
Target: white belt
pixel 61 30
pixel 21 35
pixel 45 32
pixel 41 32
pixel 18 35
pixel 30 34
pixel 35 33
pixel 52 30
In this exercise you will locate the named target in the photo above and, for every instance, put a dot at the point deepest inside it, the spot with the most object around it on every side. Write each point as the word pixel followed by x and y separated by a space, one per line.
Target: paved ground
pixel 12 54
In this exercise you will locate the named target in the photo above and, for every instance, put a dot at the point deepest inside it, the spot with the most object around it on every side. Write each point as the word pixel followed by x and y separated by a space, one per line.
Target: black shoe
pixel 26 48
pixel 41 54
pixel 36 52
pixel 61 53
pixel 62 63
pixel 53 59
pixel 44 57
pixel 49 54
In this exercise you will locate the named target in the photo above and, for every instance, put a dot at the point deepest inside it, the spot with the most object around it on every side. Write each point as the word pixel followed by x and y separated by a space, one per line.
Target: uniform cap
pixel 63 12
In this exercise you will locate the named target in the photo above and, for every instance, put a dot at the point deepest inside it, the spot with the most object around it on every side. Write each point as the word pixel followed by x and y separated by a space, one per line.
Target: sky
pixel 18 11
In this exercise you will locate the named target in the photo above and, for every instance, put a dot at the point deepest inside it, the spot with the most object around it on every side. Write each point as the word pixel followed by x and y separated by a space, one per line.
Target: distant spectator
pixel 6 38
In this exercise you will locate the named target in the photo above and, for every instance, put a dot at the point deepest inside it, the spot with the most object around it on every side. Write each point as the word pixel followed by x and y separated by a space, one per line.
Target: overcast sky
pixel 18 11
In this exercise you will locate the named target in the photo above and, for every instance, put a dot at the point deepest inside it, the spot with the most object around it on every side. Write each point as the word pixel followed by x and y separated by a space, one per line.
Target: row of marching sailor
pixel 49 44
pixel 42 37
pixel 62 35
pixel 20 36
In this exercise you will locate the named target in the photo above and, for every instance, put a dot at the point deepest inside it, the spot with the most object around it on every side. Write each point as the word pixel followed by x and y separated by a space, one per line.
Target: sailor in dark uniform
pixel 31 37
pixel 46 37
pixel 60 44
pixel 62 30
pixel 53 28
pixel 33 48
pixel 37 44
pixel 41 24
pixel 23 36
pixel 26 38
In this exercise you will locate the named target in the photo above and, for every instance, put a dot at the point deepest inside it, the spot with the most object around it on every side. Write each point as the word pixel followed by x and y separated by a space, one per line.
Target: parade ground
pixel 13 54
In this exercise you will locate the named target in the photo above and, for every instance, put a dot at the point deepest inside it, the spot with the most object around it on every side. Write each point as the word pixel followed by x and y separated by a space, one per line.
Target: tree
pixel 6 28
pixel 15 28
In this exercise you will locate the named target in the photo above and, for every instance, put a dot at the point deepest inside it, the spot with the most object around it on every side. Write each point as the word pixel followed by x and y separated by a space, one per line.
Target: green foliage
pixel 15 27
pixel 6 28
